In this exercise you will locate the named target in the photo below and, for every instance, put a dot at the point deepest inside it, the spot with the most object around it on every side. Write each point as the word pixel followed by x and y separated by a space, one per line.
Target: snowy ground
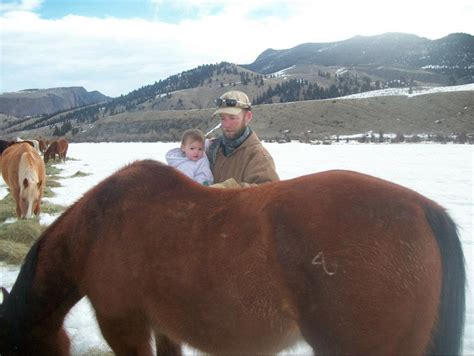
pixel 406 91
pixel 441 172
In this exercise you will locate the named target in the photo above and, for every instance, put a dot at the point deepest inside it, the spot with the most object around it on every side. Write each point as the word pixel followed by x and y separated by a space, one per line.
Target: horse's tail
pixel 447 338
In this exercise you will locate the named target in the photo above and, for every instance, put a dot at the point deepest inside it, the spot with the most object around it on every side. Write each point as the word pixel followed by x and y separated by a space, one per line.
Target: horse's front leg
pixel 166 347
pixel 55 344
pixel 17 198
pixel 127 335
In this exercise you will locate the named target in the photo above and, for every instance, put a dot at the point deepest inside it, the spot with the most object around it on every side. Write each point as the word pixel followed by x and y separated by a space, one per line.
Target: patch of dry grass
pixel 80 174
pixel 13 252
pixel 16 239
pixel 7 208
pixel 24 231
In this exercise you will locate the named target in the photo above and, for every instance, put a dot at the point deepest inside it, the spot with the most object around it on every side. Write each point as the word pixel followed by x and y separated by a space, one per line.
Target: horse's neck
pixel 43 292
pixel 50 151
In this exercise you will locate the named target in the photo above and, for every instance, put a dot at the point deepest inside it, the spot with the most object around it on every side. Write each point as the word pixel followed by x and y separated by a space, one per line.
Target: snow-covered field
pixel 441 172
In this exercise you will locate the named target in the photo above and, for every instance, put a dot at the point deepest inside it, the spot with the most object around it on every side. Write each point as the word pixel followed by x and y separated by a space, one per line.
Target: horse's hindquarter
pixel 358 251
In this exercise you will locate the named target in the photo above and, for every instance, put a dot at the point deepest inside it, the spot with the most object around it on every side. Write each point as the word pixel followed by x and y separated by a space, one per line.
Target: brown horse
pixel 59 148
pixel 349 263
pixel 23 171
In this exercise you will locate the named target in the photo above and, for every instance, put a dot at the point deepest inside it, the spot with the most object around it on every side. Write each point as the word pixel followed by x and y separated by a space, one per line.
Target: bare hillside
pixel 439 113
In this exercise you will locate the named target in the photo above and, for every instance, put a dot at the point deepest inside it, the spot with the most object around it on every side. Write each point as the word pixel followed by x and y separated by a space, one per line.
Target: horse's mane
pixel 26 162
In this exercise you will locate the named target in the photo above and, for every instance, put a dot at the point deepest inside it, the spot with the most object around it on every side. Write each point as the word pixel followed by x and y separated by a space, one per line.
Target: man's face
pixel 234 125
pixel 193 149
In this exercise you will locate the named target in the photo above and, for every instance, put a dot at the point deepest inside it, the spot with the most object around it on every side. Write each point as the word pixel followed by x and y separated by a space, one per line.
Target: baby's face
pixel 193 149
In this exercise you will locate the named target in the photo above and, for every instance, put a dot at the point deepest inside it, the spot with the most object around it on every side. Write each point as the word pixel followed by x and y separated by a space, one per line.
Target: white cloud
pixel 116 56
pixel 22 5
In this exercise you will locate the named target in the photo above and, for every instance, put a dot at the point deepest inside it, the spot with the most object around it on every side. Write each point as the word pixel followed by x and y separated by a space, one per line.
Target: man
pixel 238 153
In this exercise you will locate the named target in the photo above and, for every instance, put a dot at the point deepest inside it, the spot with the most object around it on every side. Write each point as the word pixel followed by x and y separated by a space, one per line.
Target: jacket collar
pixel 230 145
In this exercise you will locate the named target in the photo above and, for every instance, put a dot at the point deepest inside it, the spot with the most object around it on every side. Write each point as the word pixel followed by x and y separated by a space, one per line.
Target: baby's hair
pixel 193 134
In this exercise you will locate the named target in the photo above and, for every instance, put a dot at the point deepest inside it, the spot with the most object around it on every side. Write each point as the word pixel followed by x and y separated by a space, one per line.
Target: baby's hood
pixel 175 157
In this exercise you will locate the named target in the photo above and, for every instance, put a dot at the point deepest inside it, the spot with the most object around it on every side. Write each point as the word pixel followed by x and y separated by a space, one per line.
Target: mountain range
pixel 34 102
pixel 305 73
pixel 450 55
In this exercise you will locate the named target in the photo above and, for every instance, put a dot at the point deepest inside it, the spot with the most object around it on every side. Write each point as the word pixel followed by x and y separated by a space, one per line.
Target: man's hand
pixel 228 183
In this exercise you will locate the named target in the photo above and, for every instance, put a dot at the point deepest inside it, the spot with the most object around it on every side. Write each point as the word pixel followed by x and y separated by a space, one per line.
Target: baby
pixel 190 158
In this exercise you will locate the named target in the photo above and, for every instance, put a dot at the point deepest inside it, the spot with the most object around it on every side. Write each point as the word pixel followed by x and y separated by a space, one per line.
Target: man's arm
pixel 260 169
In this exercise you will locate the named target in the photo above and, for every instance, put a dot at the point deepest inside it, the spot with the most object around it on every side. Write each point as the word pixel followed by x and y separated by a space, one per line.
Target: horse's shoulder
pixel 139 172
pixel 152 174
pixel 152 171
pixel 144 166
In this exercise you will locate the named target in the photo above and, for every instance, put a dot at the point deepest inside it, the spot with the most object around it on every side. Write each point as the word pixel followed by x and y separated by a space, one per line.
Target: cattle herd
pixel 23 170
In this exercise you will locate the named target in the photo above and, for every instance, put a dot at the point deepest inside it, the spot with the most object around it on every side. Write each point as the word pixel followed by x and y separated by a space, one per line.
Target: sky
pixel 116 46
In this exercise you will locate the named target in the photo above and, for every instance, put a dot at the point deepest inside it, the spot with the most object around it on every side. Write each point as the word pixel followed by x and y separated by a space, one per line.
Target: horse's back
pixel 349 197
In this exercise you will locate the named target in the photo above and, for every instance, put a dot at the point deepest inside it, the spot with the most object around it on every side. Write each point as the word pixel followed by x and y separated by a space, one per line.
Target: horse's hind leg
pixel 166 347
pixel 127 336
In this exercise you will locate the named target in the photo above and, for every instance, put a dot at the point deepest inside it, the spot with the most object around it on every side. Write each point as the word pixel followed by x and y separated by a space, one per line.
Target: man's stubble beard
pixel 235 134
